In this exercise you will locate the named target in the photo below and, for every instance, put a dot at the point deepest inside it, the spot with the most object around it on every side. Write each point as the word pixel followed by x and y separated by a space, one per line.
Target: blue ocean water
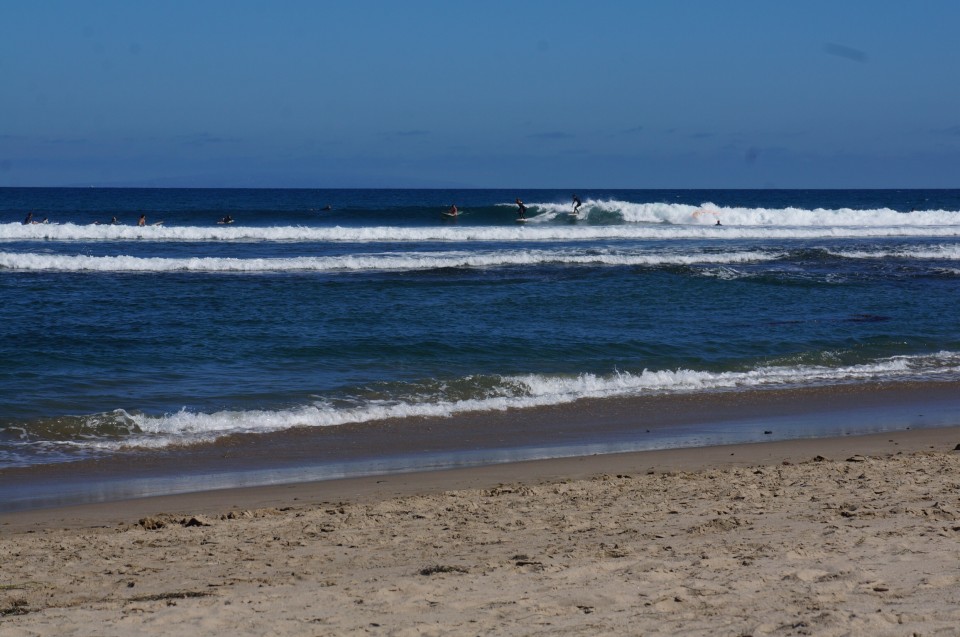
pixel 318 308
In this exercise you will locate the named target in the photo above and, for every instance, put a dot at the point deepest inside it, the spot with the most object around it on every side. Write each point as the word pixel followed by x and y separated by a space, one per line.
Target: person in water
pixel 453 210
pixel 142 221
pixel 521 209
pixel 718 223
pixel 29 219
pixel 113 221
pixel 227 219
pixel 576 204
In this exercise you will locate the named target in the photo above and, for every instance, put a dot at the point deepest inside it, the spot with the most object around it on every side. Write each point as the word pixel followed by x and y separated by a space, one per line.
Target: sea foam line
pixel 432 260
pixel 943 252
pixel 409 261
pixel 528 233
pixel 524 392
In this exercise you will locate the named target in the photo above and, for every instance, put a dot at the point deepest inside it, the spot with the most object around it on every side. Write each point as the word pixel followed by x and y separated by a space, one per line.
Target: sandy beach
pixel 843 536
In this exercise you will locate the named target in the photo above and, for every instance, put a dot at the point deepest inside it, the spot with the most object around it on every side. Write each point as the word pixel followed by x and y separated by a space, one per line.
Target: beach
pixel 371 420
pixel 853 535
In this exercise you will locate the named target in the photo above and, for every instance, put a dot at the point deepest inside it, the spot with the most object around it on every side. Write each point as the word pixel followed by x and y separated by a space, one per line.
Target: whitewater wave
pixel 369 262
pixel 414 261
pixel 529 233
pixel 708 214
pixel 608 219
pixel 517 392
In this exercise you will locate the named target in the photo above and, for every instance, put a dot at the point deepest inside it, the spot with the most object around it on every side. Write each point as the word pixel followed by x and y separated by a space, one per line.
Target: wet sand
pixel 852 535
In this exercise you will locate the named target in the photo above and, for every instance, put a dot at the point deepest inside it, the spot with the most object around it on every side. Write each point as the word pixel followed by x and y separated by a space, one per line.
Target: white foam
pixel 708 213
pixel 943 252
pixel 527 391
pixel 531 232
pixel 367 262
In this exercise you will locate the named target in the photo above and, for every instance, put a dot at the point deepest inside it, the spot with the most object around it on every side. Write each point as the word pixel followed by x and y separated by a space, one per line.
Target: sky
pixel 570 94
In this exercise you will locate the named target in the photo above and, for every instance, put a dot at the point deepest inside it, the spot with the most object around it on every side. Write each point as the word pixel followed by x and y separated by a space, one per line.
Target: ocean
pixel 321 319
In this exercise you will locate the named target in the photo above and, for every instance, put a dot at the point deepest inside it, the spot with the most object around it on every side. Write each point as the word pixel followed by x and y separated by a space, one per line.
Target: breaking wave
pixel 500 393
pixel 366 262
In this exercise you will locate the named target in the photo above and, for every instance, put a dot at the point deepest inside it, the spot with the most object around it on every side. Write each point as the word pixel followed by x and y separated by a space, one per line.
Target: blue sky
pixel 513 94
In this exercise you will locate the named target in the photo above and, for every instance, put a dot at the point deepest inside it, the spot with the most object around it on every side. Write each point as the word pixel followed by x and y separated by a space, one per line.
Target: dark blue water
pixel 117 337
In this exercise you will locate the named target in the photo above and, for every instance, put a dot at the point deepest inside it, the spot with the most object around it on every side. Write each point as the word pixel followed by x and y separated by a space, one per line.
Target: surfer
pixel 29 219
pixel 576 204
pixel 718 223
pixel 113 221
pixel 453 210
pixel 227 219
pixel 521 209
pixel 142 221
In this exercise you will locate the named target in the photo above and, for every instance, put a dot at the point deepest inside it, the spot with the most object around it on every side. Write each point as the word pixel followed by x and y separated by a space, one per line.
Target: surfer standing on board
pixel 522 210
pixel 576 204
pixel 142 221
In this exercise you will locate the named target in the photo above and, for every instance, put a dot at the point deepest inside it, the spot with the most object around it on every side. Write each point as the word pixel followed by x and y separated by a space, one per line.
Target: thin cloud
pixel 952 130
pixel 551 136
pixel 846 52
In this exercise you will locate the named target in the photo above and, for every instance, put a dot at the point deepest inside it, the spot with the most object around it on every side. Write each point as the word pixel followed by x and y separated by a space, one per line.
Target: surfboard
pixel 447 214
pixel 157 223
pixel 521 220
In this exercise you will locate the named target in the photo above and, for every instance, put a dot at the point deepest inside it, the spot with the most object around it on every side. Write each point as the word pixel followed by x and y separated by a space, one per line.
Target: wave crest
pixel 500 393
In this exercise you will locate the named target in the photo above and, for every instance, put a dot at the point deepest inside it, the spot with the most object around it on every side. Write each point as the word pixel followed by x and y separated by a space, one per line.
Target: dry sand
pixel 762 539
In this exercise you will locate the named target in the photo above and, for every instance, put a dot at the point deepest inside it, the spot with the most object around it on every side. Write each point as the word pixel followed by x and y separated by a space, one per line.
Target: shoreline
pixel 368 489
pixel 399 447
